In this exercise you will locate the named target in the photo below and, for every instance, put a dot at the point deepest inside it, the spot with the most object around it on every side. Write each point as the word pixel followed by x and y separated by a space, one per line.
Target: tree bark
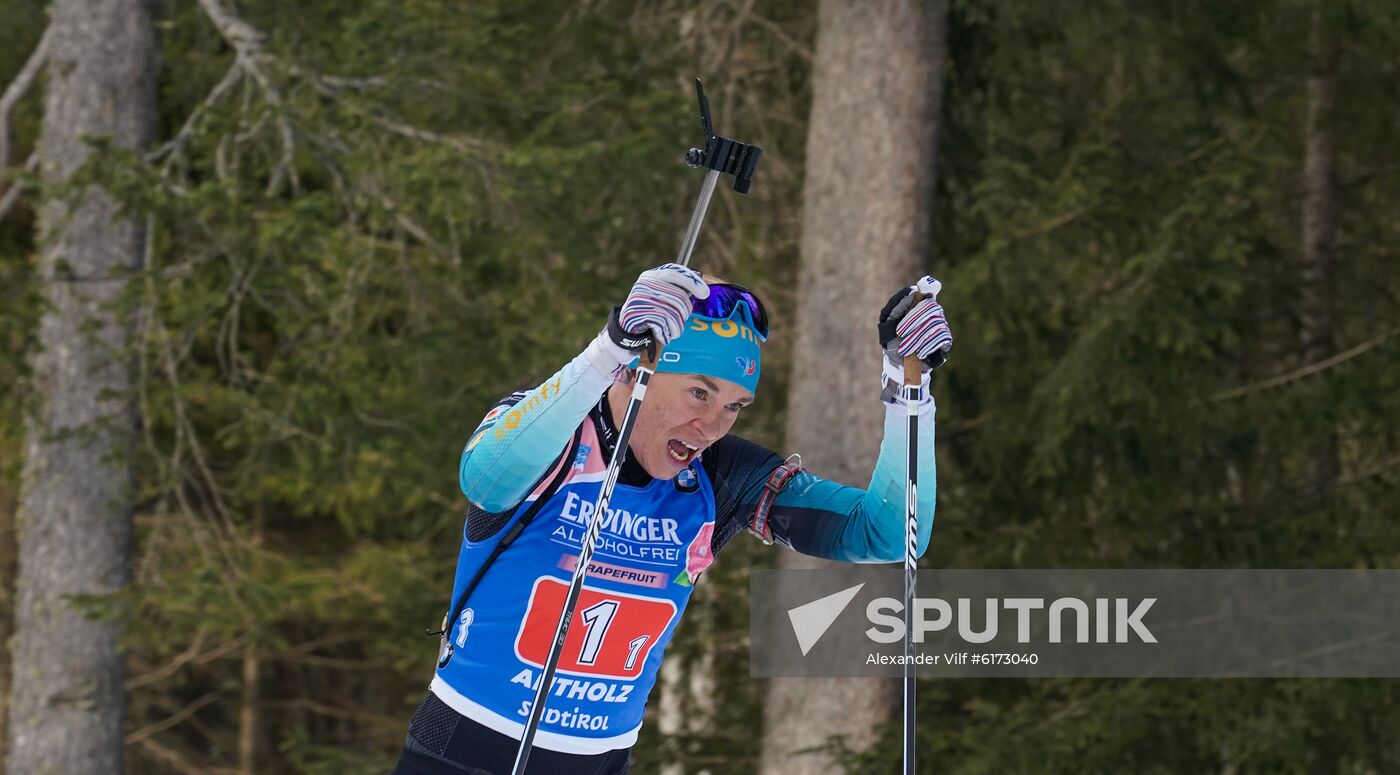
pixel 671 708
pixel 67 698
pixel 1319 228
pixel 868 197
pixel 688 686
pixel 7 600
pixel 248 716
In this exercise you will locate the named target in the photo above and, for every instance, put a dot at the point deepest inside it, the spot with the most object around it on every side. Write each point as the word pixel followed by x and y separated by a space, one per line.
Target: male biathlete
pixel 532 471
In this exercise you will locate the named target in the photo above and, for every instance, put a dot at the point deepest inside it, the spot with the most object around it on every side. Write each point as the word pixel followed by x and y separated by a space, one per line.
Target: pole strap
pixel 759 525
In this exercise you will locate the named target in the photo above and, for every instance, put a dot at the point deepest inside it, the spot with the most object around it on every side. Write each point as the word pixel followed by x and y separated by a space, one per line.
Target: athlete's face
pixel 681 416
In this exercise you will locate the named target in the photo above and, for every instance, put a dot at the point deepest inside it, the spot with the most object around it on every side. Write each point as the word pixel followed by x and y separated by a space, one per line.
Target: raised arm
pixel 525 432
pixel 828 519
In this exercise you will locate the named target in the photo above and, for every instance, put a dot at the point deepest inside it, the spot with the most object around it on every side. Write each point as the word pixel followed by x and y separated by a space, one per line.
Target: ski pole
pixel 720 156
pixel 913 396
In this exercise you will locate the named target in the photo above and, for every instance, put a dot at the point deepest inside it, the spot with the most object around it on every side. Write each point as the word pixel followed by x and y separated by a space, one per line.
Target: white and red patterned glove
pixel 653 314
pixel 660 301
pixel 912 323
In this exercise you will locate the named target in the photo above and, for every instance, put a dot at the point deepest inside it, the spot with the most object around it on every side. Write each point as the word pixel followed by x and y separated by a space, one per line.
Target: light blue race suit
pixel 538 457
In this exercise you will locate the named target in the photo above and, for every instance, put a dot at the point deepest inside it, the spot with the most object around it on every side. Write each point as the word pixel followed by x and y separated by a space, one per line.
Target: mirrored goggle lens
pixel 722 300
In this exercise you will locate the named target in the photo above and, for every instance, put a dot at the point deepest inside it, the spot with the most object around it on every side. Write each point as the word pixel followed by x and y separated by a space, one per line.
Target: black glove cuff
pixel 626 339
pixel 887 325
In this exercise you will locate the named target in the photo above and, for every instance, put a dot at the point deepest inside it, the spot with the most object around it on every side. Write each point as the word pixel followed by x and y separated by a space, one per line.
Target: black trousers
pixel 442 741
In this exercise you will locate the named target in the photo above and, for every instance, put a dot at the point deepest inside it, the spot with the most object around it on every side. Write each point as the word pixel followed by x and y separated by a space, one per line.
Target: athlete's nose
pixel 709 426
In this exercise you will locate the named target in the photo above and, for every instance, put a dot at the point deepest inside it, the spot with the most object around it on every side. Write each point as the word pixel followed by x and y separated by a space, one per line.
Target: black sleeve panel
pixel 482 524
pixel 738 469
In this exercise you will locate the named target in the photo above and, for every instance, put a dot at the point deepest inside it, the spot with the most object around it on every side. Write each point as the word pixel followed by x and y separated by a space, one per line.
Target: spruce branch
pixel 1310 369
pixel 1051 224
pixel 354 84
pixel 193 655
pixel 16 188
pixel 251 57
pixel 333 711
pixel 458 142
pixel 174 720
pixel 747 14
pixel 20 86
pixel 333 663
pixel 247 42
pixel 174 149
pixel 174 759
pixel 202 481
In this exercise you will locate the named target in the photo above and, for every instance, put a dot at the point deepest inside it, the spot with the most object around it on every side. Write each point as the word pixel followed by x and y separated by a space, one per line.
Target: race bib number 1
pixel 611 634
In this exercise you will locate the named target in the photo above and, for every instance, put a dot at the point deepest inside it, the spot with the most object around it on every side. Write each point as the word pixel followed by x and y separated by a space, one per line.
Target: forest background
pixel 1166 232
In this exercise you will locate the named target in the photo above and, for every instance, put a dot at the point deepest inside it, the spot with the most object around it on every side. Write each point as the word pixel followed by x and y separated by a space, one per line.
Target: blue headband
pixel 725 348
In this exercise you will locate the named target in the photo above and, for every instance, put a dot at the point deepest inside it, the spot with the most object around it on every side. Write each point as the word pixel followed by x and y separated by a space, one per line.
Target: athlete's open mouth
pixel 680 451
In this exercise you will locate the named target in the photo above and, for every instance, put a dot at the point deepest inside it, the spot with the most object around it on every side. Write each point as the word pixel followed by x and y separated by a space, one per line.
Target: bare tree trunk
pixel 7 600
pixel 871 152
pixel 248 721
pixel 671 718
pixel 249 715
pixel 1319 227
pixel 688 685
pixel 67 697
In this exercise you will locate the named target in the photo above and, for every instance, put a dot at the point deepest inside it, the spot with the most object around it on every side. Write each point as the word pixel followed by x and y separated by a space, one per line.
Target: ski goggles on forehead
pixel 724 297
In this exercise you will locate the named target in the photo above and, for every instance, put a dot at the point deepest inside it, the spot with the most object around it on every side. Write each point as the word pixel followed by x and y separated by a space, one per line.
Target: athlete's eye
pixel 699 393
pixel 735 407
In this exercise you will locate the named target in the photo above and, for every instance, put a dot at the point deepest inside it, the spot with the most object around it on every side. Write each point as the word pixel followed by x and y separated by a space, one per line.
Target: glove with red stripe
pixel 653 314
pixel 912 323
pixel 660 302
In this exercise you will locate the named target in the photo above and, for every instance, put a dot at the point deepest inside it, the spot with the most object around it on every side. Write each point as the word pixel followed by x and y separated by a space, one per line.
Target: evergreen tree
pixel 867 209
pixel 1124 190
pixel 357 215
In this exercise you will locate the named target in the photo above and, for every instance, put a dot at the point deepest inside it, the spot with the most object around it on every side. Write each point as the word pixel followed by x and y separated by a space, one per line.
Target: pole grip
pixel 913 370
pixel 913 366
